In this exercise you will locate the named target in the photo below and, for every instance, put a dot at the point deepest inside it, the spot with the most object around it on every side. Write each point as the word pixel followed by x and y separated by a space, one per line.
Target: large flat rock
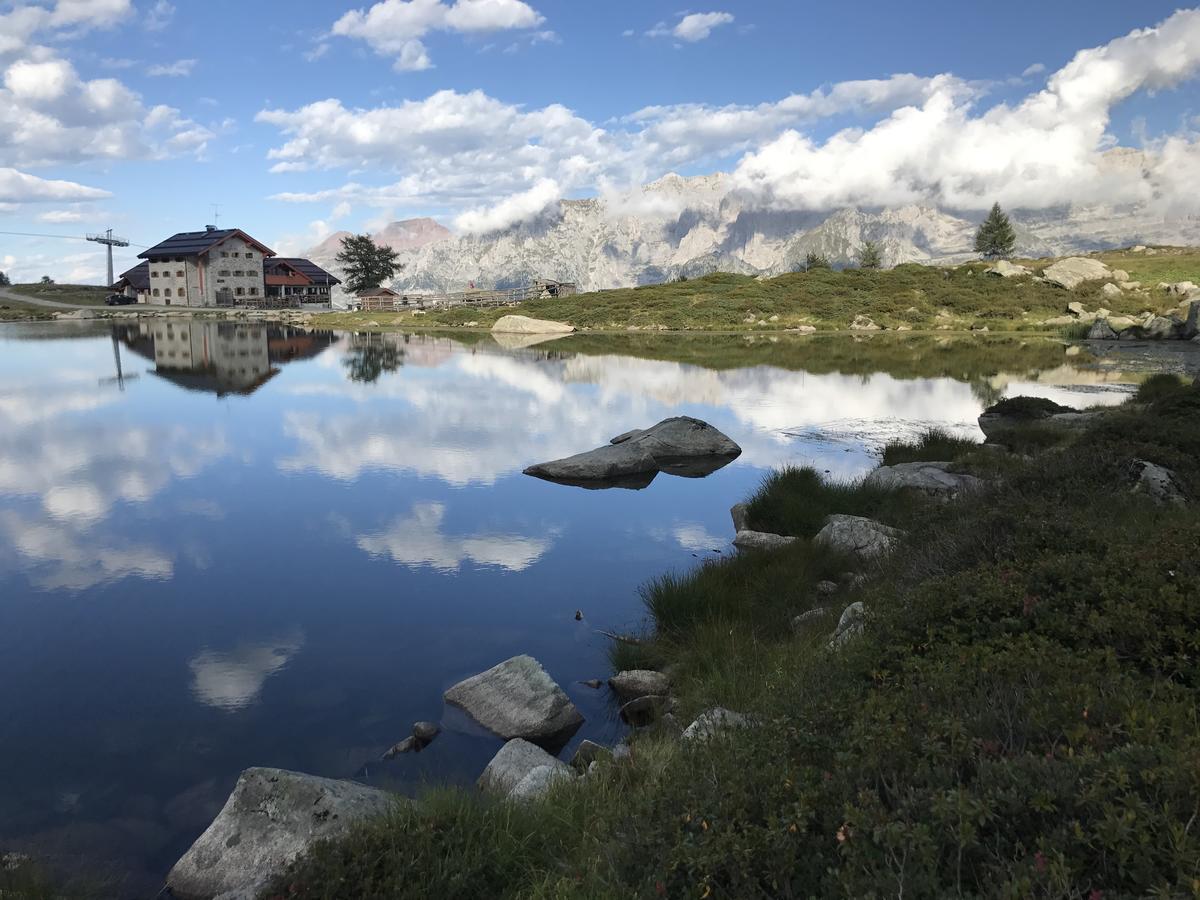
pixel 272 817
pixel 864 538
pixel 930 478
pixel 513 762
pixel 1075 270
pixel 681 437
pixel 526 325
pixel 518 699
pixel 609 461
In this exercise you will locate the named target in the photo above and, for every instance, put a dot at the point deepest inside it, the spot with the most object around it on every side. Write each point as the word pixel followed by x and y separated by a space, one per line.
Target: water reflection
pixel 232 680
pixel 418 540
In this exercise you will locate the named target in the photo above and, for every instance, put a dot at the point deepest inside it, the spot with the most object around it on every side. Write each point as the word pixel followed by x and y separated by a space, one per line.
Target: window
pixel 183 296
pixel 224 273
pixel 153 274
pixel 155 292
pixel 240 291
pixel 249 256
pixel 166 292
pixel 224 253
pixel 253 292
pixel 179 274
pixel 237 273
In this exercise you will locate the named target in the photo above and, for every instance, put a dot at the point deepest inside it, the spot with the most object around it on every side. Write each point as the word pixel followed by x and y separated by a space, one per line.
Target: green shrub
pixel 1158 386
pixel 934 445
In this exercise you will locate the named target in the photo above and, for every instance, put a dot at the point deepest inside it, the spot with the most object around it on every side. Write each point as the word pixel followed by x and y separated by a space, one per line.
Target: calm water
pixel 224 546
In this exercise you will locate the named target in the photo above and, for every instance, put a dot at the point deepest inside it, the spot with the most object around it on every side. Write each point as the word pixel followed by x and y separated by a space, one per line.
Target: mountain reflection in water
pixel 231 545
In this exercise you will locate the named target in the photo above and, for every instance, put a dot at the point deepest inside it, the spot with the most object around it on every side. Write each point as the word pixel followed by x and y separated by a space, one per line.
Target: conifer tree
pixel 995 238
pixel 870 256
pixel 366 264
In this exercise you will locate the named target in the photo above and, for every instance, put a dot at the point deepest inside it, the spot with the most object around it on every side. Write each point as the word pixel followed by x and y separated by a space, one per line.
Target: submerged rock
pixel 761 540
pixel 272 817
pixel 587 753
pixel 512 763
pixel 518 699
pixel 611 461
pixel 644 711
pixel 634 683
pixel 526 325
pixel 1019 411
pixel 864 538
pixel 1075 270
pixel 930 478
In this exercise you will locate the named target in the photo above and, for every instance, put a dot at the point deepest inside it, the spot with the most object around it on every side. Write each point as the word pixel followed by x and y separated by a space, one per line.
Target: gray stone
pixel 644 711
pixel 272 817
pixel 864 538
pixel 408 745
pixel 1075 270
pixel 930 478
pixel 1076 308
pixel 1111 290
pixel 740 513
pixel 512 763
pixel 712 722
pixel 1161 328
pixel 682 437
pixel 827 588
pixel 517 699
pixel 1101 331
pixel 803 621
pixel 426 731
pixel 1120 275
pixel 587 753
pixel 1158 483
pixel 624 436
pixel 612 461
pixel 761 540
pixel 539 781
pixel 1191 328
pixel 634 683
pixel 621 752
pixel 1005 269
pixel 850 625
pixel 863 323
pixel 526 325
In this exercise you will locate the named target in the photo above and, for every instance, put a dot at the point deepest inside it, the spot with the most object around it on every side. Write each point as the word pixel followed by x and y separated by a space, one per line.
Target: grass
pixel 1018 719
pixel 935 445
pixel 796 501
pixel 909 296
pixel 80 294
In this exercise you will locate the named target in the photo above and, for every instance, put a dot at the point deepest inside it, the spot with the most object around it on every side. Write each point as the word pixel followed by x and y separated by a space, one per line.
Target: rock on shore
pixel 526 325
pixel 930 478
pixel 272 817
pixel 864 538
pixel 518 699
pixel 513 762
pixel 1075 270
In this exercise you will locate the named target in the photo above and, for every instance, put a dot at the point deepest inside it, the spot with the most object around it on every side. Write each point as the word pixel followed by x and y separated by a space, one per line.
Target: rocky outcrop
pixel 1158 483
pixel 678 446
pixel 932 478
pixel 1075 270
pixel 515 760
pixel 1101 331
pixel 634 683
pixel 1005 269
pixel 850 625
pixel 539 781
pixel 526 325
pixel 518 699
pixel 761 540
pixel 740 513
pixel 713 722
pixel 272 817
pixel 863 538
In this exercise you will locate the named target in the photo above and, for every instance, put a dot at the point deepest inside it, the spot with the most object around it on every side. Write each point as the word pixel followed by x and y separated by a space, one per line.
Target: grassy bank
pixel 907 296
pixel 1017 720
pixel 81 294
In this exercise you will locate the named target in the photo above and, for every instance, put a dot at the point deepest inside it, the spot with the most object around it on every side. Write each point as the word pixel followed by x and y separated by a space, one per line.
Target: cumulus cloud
pixel 21 187
pixel 511 210
pixel 179 69
pixel 1046 150
pixel 698 26
pixel 395 27
pixel 66 17
pixel 50 115
pixel 159 16
pixel 1034 69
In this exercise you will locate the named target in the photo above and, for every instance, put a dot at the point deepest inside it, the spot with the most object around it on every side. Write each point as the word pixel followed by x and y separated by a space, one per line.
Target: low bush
pixel 934 445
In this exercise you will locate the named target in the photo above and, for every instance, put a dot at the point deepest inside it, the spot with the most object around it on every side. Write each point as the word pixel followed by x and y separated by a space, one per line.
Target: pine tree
pixel 4 280
pixel 995 237
pixel 816 261
pixel 870 256
pixel 366 264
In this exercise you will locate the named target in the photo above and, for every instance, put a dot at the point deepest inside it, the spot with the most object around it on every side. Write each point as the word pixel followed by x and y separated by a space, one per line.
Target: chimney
pixel 210 227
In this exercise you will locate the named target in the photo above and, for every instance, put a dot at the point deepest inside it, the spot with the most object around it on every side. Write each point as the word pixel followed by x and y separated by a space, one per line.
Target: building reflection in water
pixel 220 357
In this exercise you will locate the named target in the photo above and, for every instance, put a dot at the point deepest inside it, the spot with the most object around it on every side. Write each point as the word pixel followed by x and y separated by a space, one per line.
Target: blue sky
pixel 299 119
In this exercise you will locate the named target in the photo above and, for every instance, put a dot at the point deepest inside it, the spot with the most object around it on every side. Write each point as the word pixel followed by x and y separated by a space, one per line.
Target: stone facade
pixel 229 273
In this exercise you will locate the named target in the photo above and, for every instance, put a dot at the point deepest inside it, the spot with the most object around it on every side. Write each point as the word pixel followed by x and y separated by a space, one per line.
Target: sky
pixel 293 120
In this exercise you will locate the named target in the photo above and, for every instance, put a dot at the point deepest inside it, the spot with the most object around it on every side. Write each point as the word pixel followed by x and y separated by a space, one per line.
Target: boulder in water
pixel 518 699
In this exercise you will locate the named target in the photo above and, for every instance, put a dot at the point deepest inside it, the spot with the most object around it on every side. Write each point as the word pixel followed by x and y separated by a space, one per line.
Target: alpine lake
pixel 228 545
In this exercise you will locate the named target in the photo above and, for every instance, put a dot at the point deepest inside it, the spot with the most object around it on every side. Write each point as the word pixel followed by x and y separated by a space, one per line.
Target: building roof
pixel 197 243
pixel 307 267
pixel 137 278
pixel 378 292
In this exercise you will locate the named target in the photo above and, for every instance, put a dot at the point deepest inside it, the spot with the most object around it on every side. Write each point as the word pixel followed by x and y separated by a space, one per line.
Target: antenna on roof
pixel 216 208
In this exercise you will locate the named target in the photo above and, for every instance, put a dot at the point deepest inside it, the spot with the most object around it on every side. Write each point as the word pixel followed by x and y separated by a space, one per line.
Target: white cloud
pixel 20 187
pixel 698 26
pixel 66 18
pixel 1034 69
pixel 179 69
pixel 511 210
pixel 232 680
pixel 60 215
pixel 159 16
pixel 1045 151
pixel 395 27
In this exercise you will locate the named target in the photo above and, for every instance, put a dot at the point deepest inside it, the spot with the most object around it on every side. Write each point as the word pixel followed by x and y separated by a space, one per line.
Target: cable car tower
pixel 109 241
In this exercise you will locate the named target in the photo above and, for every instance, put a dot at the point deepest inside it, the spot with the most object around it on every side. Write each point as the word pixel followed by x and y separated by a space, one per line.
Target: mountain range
pixel 690 226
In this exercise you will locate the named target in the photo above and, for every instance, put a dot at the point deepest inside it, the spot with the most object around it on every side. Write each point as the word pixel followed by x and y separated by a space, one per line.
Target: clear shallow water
pixel 273 548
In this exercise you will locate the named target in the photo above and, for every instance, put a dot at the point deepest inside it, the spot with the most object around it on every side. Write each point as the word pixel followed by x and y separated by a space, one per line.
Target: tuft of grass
pixel 796 501
pixel 935 445
pixel 1159 386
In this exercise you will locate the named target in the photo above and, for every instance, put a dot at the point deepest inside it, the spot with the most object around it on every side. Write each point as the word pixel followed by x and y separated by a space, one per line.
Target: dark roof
pixel 305 267
pixel 194 243
pixel 137 278
pixel 378 292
